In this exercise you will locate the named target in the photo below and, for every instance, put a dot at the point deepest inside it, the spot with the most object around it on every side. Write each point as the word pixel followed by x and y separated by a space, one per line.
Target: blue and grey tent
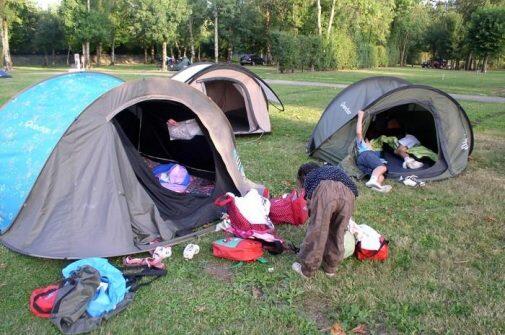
pixel 432 116
pixel 74 178
pixel 4 74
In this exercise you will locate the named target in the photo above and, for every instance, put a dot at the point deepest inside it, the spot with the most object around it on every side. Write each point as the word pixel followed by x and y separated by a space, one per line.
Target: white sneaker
pixel 412 181
pixel 372 184
pixel 191 250
pixel 411 163
pixel 379 188
pixel 297 267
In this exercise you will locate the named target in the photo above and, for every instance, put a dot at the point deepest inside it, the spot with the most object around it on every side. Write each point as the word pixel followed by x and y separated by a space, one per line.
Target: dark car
pixel 435 64
pixel 251 59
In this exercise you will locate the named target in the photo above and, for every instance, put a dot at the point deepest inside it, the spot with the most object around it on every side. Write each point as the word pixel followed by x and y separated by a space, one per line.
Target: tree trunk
pixel 179 53
pixel 484 64
pixel 153 54
pixel 164 56
pixel 46 60
pixel 87 57
pixel 216 42
pixel 319 31
pixel 113 52
pixel 6 54
pixel 199 54
pixel 68 56
pixel 230 54
pixel 191 38
pixel 468 62
pixel 332 15
pixel 99 54
pixel 53 61
pixel 267 31
pixel 172 52
pixel 145 55
pixel 83 55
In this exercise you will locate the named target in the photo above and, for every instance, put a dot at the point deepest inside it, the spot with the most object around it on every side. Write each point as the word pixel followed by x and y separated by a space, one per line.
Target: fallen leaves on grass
pixel 337 329
pixel 257 293
pixel 359 329
pixel 490 219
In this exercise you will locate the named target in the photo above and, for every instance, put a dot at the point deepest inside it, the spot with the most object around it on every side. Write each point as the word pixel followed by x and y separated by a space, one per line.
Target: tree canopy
pixel 324 34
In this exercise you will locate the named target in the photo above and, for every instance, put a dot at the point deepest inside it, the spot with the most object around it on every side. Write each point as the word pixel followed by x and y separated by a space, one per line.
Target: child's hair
pixel 305 169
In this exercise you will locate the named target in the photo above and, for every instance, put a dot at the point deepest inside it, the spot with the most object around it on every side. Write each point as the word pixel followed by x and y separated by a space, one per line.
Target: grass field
pixel 491 83
pixel 445 274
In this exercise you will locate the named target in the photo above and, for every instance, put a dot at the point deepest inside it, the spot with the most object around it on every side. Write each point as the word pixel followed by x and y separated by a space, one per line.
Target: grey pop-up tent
pixel 241 94
pixel 75 179
pixel 434 117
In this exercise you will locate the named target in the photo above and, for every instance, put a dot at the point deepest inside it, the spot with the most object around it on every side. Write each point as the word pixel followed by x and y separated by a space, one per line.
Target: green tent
pixel 434 117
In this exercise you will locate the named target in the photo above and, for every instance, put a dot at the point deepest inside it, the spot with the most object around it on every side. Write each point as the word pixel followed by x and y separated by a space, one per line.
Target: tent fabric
pixel 237 91
pixel 32 123
pixel 88 200
pixel 346 105
pixel 453 131
pixel 4 74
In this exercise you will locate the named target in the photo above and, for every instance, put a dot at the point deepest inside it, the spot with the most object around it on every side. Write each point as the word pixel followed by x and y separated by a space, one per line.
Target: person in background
pixel 330 194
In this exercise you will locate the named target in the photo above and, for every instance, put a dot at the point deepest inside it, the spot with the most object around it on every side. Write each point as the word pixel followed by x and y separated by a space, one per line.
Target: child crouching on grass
pixel 330 194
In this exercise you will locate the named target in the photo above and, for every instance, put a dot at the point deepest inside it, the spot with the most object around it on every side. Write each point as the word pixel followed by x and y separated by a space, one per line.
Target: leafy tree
pixel 9 13
pixel 486 33
pixel 48 34
pixel 444 35
pixel 408 27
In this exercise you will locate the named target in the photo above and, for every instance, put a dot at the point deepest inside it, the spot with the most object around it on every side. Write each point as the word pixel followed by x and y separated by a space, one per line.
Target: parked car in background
pixel 251 59
pixel 435 64
pixel 178 65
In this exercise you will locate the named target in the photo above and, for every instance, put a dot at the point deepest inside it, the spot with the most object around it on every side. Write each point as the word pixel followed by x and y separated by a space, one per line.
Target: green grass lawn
pixel 445 274
pixel 464 82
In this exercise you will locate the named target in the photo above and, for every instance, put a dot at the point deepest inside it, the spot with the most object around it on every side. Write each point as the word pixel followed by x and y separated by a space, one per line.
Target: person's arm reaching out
pixel 359 126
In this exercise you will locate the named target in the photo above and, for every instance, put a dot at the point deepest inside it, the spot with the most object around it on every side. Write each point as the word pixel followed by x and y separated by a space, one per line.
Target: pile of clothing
pixel 175 177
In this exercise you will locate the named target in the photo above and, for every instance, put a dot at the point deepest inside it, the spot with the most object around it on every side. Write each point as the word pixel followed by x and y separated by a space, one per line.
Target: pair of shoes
pixel 379 188
pixel 411 163
pixel 412 181
pixel 297 267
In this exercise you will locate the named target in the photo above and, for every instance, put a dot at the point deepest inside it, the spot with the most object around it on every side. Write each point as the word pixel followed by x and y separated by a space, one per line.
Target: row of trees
pixel 313 34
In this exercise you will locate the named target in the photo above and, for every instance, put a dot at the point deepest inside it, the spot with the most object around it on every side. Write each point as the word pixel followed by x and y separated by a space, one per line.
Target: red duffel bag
pixel 375 255
pixel 291 209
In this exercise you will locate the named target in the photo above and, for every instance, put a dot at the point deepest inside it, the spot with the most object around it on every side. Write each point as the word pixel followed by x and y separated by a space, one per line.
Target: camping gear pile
pixel 92 290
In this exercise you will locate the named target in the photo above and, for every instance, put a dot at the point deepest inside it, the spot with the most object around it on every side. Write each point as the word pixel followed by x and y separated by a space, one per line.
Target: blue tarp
pixel 32 123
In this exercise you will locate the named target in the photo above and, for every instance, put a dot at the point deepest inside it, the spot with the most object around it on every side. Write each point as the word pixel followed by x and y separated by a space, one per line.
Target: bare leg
pixel 402 151
pixel 379 172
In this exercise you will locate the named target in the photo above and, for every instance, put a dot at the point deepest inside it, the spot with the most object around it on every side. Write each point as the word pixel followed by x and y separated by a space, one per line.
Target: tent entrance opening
pixel 229 96
pixel 144 133
pixel 399 121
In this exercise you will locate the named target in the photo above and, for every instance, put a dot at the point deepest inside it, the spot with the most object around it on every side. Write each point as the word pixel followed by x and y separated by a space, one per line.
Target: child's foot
pixel 411 163
pixel 378 187
pixel 329 274
pixel 297 267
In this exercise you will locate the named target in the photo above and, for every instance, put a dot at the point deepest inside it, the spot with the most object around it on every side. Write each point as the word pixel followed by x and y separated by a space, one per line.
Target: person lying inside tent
pixel 369 159
pixel 330 194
